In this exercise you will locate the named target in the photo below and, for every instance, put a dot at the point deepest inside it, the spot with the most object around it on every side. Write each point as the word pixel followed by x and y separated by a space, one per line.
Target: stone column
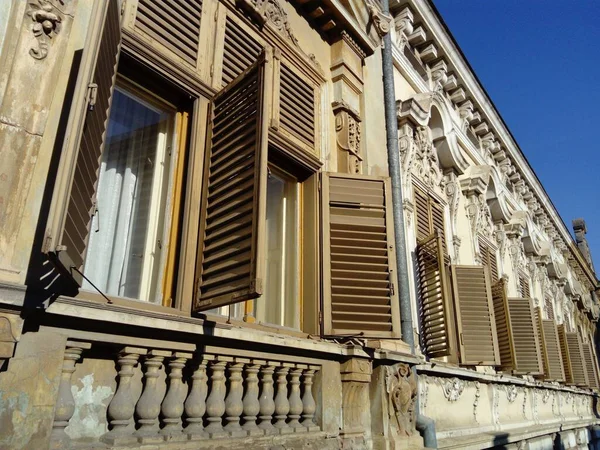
pixel 172 405
pixel 65 403
pixel 267 404
pixel 195 404
pixel 122 405
pixel 356 376
pixel 295 400
pixel 309 406
pixel 282 404
pixel 215 403
pixel 148 406
pixel 251 403
pixel 234 407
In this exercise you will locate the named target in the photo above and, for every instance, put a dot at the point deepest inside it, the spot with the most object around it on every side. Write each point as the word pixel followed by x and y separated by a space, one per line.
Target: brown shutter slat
pixel 588 356
pixel 475 316
pixel 551 352
pixel 549 308
pixel 297 106
pixel 504 341
pixel 422 215
pixel 575 372
pixel 80 205
pixel 437 222
pixel 436 309
pixel 359 261
pixel 173 23
pixel 524 286
pixel 230 259
pixel 488 259
pixel 240 51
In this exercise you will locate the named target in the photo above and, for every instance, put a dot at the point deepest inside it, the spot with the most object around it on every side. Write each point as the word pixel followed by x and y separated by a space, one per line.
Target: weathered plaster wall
pixel 28 390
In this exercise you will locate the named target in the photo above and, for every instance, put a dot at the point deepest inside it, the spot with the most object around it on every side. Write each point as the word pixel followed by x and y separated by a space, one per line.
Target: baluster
pixel 233 403
pixel 266 402
pixel 148 406
pixel 294 399
pixel 282 404
pixel 195 405
pixel 122 405
pixel 172 405
pixel 215 403
pixel 309 405
pixel 251 403
pixel 65 403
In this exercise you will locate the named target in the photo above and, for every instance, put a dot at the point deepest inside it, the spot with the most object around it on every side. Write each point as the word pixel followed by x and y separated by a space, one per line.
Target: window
pixel 429 216
pixel 552 357
pixel 524 290
pixel 129 240
pixel 488 258
pixel 573 357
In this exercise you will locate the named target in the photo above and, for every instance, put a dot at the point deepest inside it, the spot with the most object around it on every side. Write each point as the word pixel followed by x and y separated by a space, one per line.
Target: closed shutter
pixel 80 206
pixel 359 260
pixel 590 365
pixel 549 308
pixel 231 256
pixel 475 316
pixel 488 259
pixel 239 52
pixel 517 333
pixel 551 353
pixel 575 372
pixel 172 23
pixel 524 286
pixel 436 309
pixel 297 106
pixel 422 215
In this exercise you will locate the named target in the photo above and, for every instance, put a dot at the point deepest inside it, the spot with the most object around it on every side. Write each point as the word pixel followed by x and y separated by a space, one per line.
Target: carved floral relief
pixel 401 387
pixel 47 19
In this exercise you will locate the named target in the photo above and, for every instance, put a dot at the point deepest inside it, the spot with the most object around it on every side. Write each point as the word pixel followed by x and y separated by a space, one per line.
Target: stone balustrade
pixel 174 396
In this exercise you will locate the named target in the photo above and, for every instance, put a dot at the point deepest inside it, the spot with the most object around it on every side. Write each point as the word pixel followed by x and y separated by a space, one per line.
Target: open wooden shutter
pixel 549 308
pixel 173 23
pixel 231 256
pixel 239 52
pixel 80 207
pixel 422 215
pixel 488 259
pixel 517 333
pixel 572 353
pixel 524 286
pixel 359 262
pixel 588 357
pixel 551 353
pixel 436 309
pixel 475 316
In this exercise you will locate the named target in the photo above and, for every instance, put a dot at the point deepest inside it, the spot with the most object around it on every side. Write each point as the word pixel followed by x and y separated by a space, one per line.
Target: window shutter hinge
pixel 462 341
pixel 47 242
pixel 61 248
pixel 319 185
pixel 392 290
pixel 92 95
pixel 320 317
pixel 212 70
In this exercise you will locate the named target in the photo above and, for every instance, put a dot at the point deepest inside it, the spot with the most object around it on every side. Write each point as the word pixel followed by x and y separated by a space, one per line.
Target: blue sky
pixel 539 61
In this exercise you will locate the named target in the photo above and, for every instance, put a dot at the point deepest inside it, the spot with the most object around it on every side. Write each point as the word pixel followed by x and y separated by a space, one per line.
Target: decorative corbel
pixel 408 209
pixel 404 27
pixel 514 232
pixel 47 19
pixel 379 20
pixel 465 111
pixel 500 238
pixel 348 135
pixel 473 185
pixel 269 11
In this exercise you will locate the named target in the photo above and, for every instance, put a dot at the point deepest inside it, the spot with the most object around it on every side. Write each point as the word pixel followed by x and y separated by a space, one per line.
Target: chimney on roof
pixel 580 231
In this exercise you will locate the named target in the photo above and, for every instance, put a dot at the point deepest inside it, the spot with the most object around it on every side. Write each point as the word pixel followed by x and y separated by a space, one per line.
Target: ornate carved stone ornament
pixel 348 134
pixel 47 19
pixel 476 401
pixel 495 404
pixel 409 209
pixel 452 191
pixel 452 388
pixel 511 393
pixel 401 387
pixel 500 238
pixel 263 11
pixel 380 21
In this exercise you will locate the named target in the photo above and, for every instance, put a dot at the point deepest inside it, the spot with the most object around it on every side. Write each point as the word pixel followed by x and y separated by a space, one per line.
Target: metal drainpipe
pixel 425 425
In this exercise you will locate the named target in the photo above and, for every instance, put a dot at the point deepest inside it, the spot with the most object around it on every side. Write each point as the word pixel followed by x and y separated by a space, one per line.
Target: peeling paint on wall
pixel 89 419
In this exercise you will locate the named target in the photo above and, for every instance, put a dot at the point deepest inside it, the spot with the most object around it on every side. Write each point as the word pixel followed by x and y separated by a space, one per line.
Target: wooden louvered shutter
pixel 80 206
pixel 436 309
pixel 359 262
pixel 590 365
pixel 231 256
pixel 517 333
pixel 488 259
pixel 239 52
pixel 173 23
pixel 551 353
pixel 524 286
pixel 475 316
pixel 422 215
pixel 437 222
pixel 549 308
pixel 296 106
pixel 572 353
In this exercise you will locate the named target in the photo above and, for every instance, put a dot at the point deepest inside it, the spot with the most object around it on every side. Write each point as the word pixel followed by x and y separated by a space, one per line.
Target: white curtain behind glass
pixel 118 240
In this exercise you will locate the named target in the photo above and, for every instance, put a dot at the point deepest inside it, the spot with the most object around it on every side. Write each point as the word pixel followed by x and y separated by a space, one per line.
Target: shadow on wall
pixel 501 441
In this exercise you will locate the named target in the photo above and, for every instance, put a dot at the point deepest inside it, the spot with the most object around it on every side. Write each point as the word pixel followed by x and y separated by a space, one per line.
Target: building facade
pixel 197 245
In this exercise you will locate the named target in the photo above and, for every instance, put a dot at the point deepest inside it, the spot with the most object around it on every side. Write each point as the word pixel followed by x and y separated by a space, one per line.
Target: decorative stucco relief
pixel 495 404
pixel 401 387
pixel 348 135
pixel 452 191
pixel 381 22
pixel 476 401
pixel 452 388
pixel 47 19
pixel 511 393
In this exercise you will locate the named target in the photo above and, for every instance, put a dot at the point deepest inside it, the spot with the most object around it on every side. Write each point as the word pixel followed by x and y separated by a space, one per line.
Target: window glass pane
pixel 128 240
pixel 280 303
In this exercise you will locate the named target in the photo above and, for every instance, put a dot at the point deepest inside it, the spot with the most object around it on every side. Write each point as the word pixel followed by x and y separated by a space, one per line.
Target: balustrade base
pixel 119 440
